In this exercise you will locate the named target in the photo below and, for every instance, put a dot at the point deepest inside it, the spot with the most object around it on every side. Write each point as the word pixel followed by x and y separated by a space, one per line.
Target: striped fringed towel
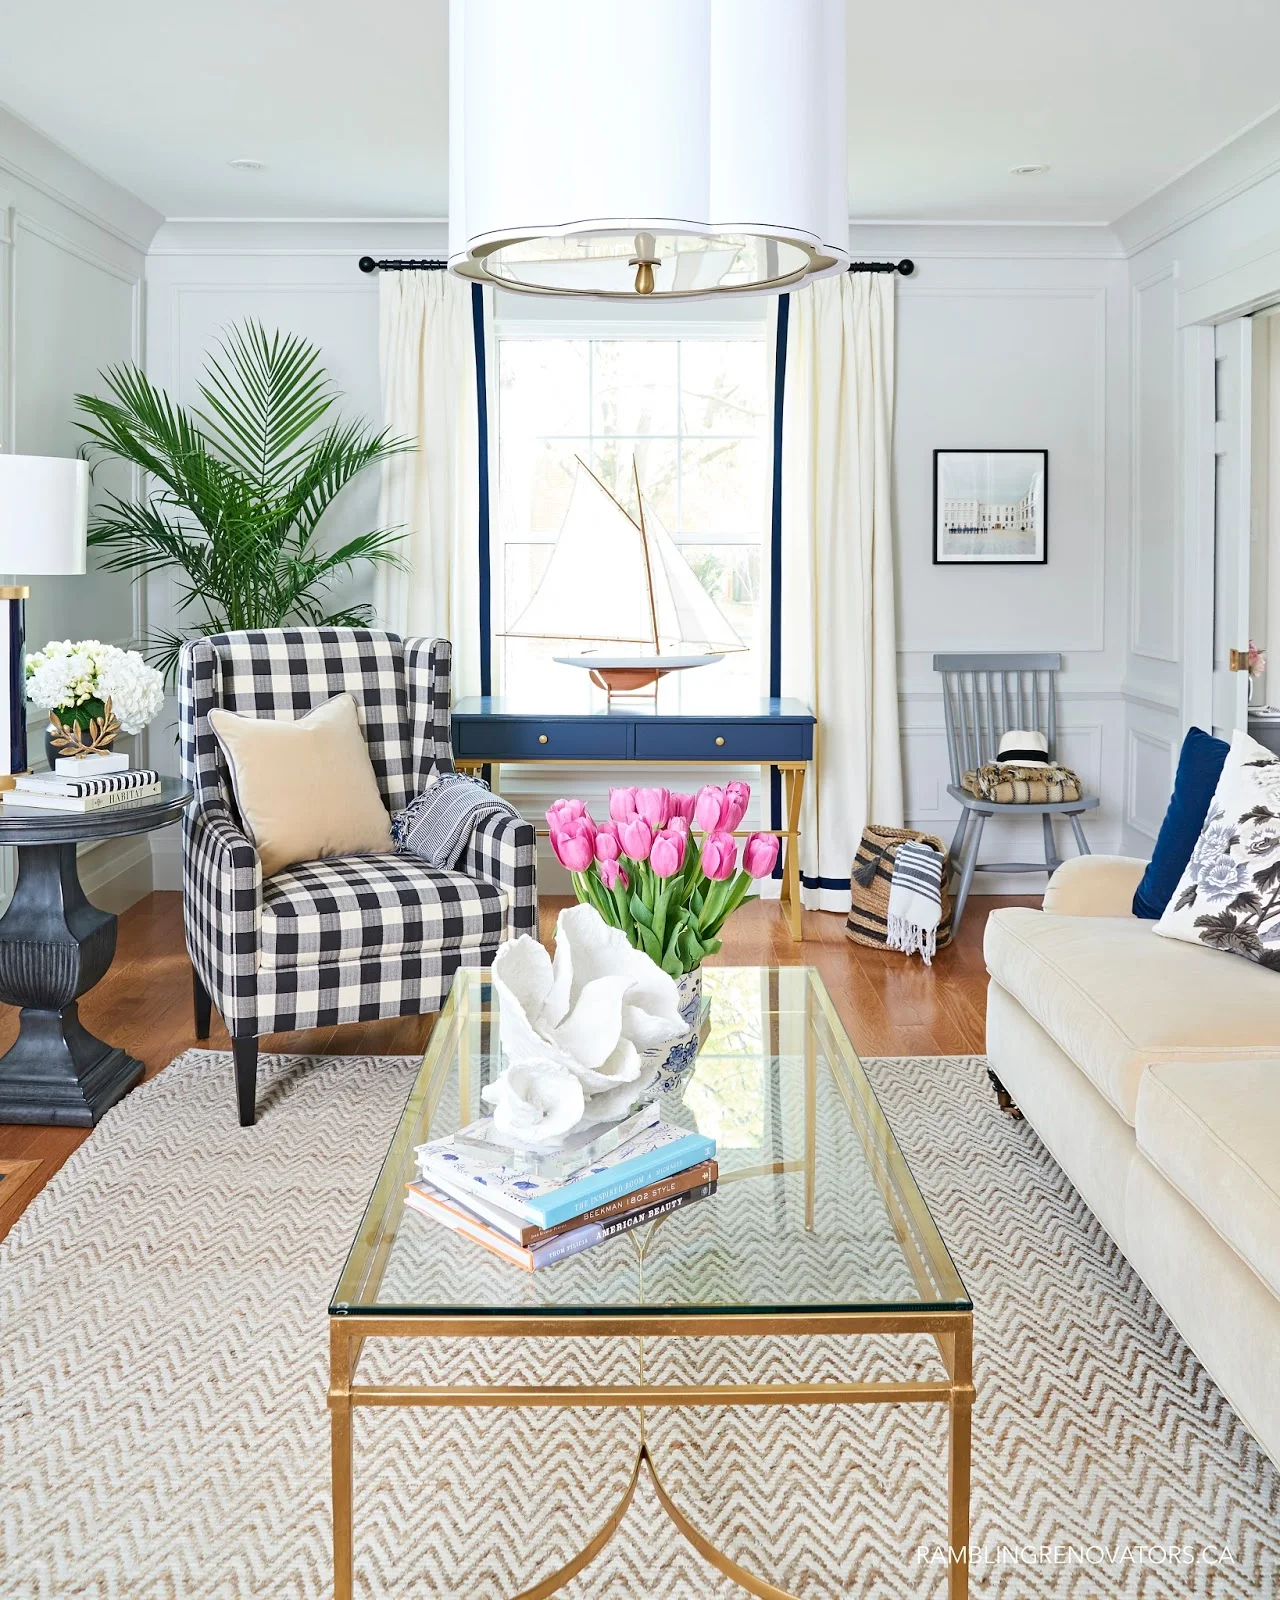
pixel 915 900
pixel 438 825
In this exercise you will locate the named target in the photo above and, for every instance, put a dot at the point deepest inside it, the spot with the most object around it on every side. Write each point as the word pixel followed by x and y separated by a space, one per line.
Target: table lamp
pixel 44 522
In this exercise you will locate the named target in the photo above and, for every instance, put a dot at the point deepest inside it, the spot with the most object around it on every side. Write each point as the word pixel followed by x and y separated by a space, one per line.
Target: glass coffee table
pixel 817 1227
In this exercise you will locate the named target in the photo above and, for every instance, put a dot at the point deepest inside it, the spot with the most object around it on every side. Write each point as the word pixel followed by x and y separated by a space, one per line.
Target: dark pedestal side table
pixel 55 945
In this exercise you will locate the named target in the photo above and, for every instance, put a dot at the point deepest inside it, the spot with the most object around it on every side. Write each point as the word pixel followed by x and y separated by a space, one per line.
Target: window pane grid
pixel 702 465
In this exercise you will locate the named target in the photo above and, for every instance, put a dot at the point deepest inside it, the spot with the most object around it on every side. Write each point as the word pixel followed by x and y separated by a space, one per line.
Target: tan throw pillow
pixel 304 789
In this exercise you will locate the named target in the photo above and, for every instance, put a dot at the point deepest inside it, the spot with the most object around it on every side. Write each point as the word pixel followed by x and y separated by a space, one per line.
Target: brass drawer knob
pixel 719 738
pixel 542 738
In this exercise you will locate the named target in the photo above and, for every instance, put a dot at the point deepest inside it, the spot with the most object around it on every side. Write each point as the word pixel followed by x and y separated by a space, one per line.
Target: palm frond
pixel 340 454
pixel 244 481
pixel 264 394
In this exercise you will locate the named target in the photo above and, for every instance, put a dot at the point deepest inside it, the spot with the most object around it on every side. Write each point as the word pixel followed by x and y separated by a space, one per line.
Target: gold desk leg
pixel 960 1409
pixel 810 1112
pixel 340 1364
pixel 793 789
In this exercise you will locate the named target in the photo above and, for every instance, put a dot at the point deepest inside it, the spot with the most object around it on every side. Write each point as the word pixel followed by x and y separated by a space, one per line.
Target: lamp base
pixel 13 681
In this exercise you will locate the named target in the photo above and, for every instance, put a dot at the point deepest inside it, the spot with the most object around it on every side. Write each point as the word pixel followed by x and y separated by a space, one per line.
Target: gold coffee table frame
pixel 354 1319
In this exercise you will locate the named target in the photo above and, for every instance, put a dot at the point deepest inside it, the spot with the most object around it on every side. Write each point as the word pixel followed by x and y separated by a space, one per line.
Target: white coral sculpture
pixel 574 1030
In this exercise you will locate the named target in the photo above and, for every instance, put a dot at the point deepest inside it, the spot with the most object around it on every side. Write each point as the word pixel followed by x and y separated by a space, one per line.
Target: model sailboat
pixel 618 580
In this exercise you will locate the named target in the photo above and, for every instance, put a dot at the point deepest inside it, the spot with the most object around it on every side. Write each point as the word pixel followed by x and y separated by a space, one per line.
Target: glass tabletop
pixel 816 1208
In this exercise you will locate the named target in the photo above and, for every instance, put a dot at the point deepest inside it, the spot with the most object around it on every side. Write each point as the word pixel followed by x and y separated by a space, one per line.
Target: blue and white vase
pixel 675 1059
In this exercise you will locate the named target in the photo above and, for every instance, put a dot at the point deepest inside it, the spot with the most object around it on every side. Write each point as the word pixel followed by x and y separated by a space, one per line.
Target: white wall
pixel 1014 338
pixel 1202 250
pixel 72 251
pixel 1006 337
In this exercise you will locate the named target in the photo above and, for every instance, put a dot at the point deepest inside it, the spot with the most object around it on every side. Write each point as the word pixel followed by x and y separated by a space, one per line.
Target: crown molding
pixel 1231 170
pixel 35 160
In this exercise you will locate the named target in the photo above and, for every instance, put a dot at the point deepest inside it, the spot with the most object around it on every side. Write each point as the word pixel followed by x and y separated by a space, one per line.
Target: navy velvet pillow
pixel 1199 768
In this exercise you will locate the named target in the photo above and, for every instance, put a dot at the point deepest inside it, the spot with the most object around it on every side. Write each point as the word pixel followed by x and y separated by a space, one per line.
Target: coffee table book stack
pixel 59 791
pixel 534 1210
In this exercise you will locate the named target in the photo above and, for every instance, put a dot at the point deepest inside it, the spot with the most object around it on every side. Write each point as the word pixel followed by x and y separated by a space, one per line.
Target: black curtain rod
pixel 368 264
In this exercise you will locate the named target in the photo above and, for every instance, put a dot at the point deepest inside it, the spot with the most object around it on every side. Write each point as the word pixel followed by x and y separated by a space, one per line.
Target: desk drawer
pixel 723 741
pixel 528 738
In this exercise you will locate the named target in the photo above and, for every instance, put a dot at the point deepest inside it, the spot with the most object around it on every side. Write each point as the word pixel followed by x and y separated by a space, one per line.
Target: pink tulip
pixel 679 825
pixel 667 856
pixel 681 806
pixel 622 804
pixel 564 812
pixel 736 798
pixel 574 845
pixel 719 856
pixel 654 805
pixel 708 807
pixel 636 837
pixel 607 846
pixel 611 874
pixel 759 854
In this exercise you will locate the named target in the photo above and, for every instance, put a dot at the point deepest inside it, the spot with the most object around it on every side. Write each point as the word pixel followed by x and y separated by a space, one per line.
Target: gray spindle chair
pixel 983 697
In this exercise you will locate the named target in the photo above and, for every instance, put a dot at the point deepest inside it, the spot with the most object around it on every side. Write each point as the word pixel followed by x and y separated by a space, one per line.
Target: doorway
pixel 1263 552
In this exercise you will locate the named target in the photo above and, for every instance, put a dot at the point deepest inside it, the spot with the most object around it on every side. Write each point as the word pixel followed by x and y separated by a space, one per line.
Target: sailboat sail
pixel 603 571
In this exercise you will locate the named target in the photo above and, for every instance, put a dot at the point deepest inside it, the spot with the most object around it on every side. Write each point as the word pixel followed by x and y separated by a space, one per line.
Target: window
pixel 691 410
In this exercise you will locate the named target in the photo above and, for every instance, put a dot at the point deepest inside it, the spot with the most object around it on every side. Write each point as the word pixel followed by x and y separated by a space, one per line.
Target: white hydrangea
pixel 66 674
pixel 135 690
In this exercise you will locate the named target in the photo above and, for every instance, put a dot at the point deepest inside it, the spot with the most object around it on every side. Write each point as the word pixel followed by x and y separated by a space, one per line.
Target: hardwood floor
pixel 891 1006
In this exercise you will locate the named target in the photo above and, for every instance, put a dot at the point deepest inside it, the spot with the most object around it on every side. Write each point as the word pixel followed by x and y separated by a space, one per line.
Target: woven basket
pixel 869 917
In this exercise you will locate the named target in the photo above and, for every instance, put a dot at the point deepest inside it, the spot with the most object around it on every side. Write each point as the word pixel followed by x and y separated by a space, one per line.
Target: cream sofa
pixel 1151 1070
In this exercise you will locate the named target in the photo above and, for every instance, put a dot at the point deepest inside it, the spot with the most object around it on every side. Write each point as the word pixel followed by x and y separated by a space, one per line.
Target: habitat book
pixel 654 1154
pixel 578 1237
pixel 27 800
pixel 78 787
pixel 528 1234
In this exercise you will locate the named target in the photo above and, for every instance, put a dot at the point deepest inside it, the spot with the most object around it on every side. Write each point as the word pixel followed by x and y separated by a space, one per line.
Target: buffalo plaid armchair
pixel 346 938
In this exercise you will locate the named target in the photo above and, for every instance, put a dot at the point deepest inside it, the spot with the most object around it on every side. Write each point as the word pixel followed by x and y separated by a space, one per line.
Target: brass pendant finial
pixel 644 261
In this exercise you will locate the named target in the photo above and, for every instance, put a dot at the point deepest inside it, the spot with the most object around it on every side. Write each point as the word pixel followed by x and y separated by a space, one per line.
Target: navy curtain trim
pixel 482 442
pixel 775 552
pixel 823 883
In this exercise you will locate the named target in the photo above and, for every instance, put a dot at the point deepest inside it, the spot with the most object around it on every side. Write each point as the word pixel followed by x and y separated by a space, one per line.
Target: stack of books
pixel 536 1217
pixel 57 791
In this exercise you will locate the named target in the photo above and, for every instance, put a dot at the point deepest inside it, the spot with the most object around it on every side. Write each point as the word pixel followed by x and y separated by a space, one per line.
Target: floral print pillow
pixel 1229 896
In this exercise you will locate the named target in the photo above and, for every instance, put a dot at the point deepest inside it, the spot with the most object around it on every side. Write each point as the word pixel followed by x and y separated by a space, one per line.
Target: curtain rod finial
pixel 906 267
pixel 368 264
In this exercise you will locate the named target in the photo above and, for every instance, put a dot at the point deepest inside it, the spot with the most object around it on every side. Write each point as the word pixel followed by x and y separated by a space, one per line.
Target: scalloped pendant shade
pixel 670 150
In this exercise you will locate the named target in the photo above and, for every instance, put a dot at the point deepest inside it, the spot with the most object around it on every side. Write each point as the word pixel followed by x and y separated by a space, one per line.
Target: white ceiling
pixel 347 103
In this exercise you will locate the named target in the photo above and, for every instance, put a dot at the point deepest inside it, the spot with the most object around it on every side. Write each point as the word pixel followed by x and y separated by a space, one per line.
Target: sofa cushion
pixel 1213 1130
pixel 1199 768
pixel 347 907
pixel 1116 998
pixel 1227 897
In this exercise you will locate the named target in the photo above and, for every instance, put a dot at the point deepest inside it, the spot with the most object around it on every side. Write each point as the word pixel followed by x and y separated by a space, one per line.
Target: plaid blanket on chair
pixel 438 824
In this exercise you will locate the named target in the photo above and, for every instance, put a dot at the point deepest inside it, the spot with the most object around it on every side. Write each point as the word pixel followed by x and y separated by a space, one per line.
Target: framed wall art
pixel 990 507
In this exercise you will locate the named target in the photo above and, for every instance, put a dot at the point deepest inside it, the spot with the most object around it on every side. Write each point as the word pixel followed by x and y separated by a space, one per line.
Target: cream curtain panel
pixel 838 639
pixel 428 362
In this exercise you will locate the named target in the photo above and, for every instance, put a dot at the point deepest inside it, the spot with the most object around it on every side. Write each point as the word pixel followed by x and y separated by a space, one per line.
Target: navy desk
pixel 489 731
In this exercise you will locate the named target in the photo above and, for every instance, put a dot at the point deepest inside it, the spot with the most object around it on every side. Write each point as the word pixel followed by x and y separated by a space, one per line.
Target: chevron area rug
pixel 163 1432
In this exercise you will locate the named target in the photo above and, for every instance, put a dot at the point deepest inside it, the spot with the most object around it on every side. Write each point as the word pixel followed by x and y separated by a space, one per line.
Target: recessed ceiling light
pixel 247 164
pixel 1033 169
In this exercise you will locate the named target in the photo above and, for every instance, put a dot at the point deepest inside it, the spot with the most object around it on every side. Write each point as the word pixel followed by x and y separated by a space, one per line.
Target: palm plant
pixel 240 484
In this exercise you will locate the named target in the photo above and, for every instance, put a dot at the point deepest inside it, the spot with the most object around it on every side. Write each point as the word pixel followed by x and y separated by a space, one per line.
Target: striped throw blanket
pixel 915 900
pixel 438 824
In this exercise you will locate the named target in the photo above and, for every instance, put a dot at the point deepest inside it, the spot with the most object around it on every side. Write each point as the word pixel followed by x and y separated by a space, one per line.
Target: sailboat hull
pixel 626 674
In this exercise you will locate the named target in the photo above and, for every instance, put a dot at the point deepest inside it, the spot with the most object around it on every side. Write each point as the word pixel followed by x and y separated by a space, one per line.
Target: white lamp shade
pixel 44 515
pixel 707 138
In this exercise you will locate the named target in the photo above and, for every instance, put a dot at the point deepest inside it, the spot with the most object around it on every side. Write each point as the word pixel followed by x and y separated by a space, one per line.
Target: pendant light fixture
pixel 670 150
